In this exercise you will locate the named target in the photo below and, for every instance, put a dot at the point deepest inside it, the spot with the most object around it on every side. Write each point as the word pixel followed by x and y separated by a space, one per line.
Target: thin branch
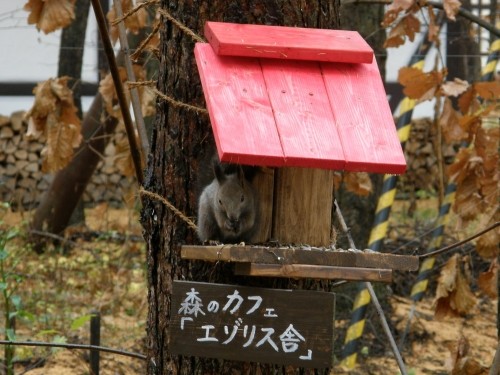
pixel 134 93
pixel 460 243
pixel 374 298
pixel 461 12
pixel 121 18
pixel 113 67
pixel 74 346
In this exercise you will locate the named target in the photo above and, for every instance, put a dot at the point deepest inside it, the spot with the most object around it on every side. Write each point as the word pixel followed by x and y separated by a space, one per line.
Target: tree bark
pixel 181 141
pixel 70 64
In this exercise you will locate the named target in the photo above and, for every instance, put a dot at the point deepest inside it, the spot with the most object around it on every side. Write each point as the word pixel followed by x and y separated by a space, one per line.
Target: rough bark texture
pixel 180 142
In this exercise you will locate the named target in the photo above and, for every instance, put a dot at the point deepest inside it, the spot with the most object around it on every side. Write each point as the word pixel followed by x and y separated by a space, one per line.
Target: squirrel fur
pixel 227 207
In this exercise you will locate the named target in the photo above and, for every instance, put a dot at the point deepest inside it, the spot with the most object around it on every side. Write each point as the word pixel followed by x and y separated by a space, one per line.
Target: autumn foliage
pixel 54 116
pixel 471 126
pixel 466 119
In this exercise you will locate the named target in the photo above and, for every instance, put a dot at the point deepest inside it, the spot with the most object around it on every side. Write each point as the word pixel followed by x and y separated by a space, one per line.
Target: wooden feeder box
pixel 300 103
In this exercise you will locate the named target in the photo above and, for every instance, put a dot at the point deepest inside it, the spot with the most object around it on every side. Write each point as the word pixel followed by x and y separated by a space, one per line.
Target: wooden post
pixel 303 206
pixel 263 183
pixel 95 339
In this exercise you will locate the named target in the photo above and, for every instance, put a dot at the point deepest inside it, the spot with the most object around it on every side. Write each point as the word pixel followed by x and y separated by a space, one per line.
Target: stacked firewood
pixel 423 172
pixel 22 182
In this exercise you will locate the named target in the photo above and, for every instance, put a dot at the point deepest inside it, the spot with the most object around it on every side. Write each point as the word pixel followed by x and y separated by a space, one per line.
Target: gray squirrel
pixel 228 206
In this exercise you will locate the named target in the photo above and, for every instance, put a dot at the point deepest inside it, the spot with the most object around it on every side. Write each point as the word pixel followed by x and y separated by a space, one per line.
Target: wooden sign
pixel 252 324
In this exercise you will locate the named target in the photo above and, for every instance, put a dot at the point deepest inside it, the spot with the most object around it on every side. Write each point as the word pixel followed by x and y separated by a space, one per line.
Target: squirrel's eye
pixel 242 198
pixel 220 202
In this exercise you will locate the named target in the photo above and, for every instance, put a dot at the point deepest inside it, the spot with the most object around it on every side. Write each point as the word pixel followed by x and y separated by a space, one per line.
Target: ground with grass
pixel 102 268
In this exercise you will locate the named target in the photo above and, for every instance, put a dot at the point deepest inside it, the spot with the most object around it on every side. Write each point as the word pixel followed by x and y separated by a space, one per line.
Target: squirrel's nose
pixel 234 223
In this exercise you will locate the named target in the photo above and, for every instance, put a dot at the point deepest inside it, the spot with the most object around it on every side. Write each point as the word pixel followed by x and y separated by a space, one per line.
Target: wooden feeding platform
pixel 297 262
pixel 299 103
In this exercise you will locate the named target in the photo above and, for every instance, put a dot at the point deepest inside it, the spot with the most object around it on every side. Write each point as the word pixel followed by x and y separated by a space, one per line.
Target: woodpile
pixel 22 182
pixel 420 153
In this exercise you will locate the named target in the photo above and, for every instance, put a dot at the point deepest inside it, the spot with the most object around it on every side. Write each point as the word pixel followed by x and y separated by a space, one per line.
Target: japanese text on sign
pixel 235 322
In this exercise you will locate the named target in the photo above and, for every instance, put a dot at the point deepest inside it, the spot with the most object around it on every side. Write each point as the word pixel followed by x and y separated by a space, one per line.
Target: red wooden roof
pixel 289 112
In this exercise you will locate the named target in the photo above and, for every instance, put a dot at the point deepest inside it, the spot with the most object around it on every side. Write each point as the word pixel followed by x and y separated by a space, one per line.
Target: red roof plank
pixel 289 43
pixel 240 111
pixel 359 104
pixel 303 116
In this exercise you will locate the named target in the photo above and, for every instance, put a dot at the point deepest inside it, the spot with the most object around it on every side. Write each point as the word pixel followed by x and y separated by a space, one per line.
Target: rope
pixel 131 84
pixel 145 42
pixel 179 104
pixel 164 200
pixel 116 21
pixel 181 26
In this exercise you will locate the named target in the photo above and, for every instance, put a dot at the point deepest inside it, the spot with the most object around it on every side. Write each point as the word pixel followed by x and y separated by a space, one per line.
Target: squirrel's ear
pixel 219 173
pixel 241 176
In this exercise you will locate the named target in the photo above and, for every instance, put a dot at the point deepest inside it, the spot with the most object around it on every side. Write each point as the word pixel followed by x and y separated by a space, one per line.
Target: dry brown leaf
pixel 470 123
pixel 54 115
pixel 406 27
pixel 468 200
pixel 487 281
pixel 460 363
pixel 389 17
pixel 487 244
pixel 133 23
pixel 455 87
pixel 433 28
pixel 453 294
pixel 123 157
pixel 61 139
pixel 45 103
pixel 450 125
pixel 108 92
pixel 358 183
pixel 401 4
pixel 465 100
pixel 419 85
pixel 488 90
pixel 50 15
pixel 451 8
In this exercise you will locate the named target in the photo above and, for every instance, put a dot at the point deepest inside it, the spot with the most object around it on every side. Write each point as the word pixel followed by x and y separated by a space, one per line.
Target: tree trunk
pixel 70 64
pixel 54 212
pixel 181 141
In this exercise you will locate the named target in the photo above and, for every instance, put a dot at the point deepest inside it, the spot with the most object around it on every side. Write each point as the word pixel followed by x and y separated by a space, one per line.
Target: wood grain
pixel 263 183
pixel 281 42
pixel 281 256
pixel 366 127
pixel 314 272
pixel 240 111
pixel 302 113
pixel 303 206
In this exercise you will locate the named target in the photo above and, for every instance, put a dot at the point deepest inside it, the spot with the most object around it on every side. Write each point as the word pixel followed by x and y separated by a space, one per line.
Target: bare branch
pixel 461 11
pixel 74 346
pixel 460 243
